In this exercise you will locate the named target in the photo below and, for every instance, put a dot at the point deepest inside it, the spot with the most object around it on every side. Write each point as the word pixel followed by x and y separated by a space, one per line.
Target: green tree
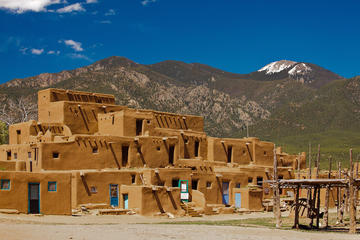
pixel 4 133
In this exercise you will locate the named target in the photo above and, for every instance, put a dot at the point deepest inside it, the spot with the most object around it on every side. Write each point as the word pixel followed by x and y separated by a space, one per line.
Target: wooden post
pixel 351 190
pixel 296 222
pixel 318 162
pixel 276 193
pixel 308 199
pixel 318 208
pixel 326 211
pixel 339 200
pixel 298 167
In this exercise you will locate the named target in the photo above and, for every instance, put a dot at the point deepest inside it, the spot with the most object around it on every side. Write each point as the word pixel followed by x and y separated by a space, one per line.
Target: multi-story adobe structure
pixel 86 150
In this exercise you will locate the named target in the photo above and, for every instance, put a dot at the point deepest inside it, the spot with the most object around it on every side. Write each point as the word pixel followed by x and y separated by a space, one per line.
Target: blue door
pixel 114 195
pixel 225 195
pixel 238 200
pixel 126 201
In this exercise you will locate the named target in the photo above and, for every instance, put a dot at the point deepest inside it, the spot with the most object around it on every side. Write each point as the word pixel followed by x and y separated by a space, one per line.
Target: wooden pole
pixel 318 208
pixel 318 162
pixel 276 193
pixel 296 222
pixel 308 200
pixel 298 166
pixel 339 201
pixel 351 190
pixel 326 211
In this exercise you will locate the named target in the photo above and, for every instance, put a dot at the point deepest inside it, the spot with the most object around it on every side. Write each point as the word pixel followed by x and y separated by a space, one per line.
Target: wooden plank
pixel 276 193
pixel 296 222
pixel 327 194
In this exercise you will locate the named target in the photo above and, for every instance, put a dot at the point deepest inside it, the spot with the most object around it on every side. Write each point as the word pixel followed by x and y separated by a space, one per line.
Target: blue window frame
pixel 52 186
pixel 5 184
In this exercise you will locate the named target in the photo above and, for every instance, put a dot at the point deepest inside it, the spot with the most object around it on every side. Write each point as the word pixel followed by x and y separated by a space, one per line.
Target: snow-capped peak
pixel 277 66
pixel 300 69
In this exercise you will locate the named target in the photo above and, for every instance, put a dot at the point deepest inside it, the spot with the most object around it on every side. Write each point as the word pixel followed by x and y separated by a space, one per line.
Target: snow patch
pixel 301 69
pixel 277 66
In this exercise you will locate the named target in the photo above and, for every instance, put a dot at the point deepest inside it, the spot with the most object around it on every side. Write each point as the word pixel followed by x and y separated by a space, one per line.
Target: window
pixel 158 148
pixel 197 148
pixel 194 184
pixel 18 132
pixel 208 184
pixel 229 154
pixel 95 150
pixel 171 154
pixel 52 186
pixel 264 153
pixel 5 184
pixel 133 178
pixel 250 179
pixel 93 189
pixel 175 182
pixel 124 155
pixel 29 155
pixel 15 156
pixel 259 181
pixel 237 185
pixel 139 124
pixel 8 154
pixel 56 155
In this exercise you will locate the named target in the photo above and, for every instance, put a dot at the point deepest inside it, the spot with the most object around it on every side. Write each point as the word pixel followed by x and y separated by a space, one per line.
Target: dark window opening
pixel 133 178
pixel 197 148
pixel 15 156
pixel 95 150
pixel 194 184
pixel 265 153
pixel 171 154
pixel 259 181
pixel 238 185
pixel 175 182
pixel 8 154
pixel 112 120
pixel 93 189
pixel 250 179
pixel 30 166
pixel 280 177
pixel 158 148
pixel 229 154
pixel 139 125
pixel 29 155
pixel 56 155
pixel 208 184
pixel 18 132
pixel 124 155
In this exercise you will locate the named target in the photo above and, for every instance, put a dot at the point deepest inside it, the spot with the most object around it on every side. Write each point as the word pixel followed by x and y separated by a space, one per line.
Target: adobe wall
pixel 100 152
pixel 17 196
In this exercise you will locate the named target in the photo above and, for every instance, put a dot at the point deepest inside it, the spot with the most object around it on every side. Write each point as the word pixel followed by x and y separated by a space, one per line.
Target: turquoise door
pixel 114 195
pixel 238 200
pixel 225 195
pixel 126 201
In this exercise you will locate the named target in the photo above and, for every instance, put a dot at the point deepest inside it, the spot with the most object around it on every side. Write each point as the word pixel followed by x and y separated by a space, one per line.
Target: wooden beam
pixel 114 155
pixel 318 208
pixel 318 162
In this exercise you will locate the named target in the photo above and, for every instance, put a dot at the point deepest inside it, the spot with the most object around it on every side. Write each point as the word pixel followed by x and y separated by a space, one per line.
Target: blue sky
pixel 240 36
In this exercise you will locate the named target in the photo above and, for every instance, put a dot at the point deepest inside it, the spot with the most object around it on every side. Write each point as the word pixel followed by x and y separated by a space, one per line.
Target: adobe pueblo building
pixel 86 151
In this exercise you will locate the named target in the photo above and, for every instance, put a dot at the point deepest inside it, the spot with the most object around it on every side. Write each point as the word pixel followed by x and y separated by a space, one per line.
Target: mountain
pixel 308 73
pixel 287 102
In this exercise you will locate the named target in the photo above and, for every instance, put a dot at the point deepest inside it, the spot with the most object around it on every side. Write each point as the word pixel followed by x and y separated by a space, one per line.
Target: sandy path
pixel 29 227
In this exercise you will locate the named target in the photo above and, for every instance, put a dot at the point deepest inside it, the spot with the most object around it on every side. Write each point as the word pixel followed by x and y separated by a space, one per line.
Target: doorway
pixel 114 195
pixel 34 198
pixel 225 195
pixel 238 200
pixel 126 201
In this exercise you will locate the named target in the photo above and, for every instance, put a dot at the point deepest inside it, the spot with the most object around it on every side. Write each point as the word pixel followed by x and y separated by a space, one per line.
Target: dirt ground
pixel 89 227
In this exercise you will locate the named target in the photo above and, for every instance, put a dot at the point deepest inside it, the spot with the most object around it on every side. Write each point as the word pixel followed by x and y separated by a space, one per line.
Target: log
pixel 327 193
pixel 352 198
pixel 276 193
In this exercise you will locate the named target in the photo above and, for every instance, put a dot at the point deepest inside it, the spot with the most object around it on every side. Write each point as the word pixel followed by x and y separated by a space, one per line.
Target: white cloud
pixel 74 45
pixel 37 51
pixel 79 56
pixel 146 2
pixel 110 12
pixel 52 52
pixel 21 6
pixel 76 7
pixel 91 1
